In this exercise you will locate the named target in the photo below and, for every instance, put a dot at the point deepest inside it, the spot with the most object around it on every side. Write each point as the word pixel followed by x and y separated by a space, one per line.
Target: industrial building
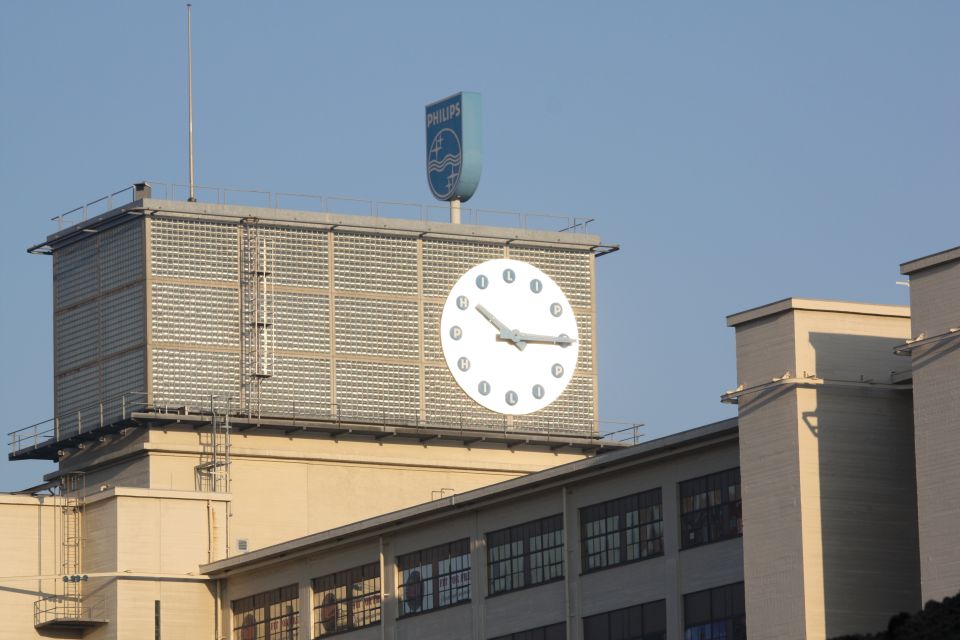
pixel 262 431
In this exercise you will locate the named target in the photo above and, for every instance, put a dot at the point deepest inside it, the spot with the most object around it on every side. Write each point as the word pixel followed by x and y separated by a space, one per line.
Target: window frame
pixel 435 557
pixel 643 609
pixel 621 508
pixel 556 630
pixel 346 580
pixel 261 608
pixel 522 534
pixel 694 517
pixel 732 593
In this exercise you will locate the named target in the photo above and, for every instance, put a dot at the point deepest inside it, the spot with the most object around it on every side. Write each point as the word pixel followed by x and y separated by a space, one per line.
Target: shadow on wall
pixel 867 476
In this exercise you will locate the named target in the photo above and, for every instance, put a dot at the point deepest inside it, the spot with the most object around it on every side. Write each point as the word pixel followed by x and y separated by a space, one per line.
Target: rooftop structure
pixel 304 319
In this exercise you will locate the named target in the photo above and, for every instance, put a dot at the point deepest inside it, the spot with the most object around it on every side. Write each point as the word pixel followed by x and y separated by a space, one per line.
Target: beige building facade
pixel 626 530
pixel 259 436
pixel 932 352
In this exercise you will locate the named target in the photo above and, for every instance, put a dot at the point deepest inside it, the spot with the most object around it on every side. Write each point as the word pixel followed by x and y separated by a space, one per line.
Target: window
pixel 621 530
pixel 710 509
pixel 346 600
pixel 434 578
pixel 639 622
pixel 273 615
pixel 525 555
pixel 551 632
pixel 715 614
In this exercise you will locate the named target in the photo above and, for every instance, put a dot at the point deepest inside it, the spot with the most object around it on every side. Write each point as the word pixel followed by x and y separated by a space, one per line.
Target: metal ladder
pixel 213 472
pixel 72 489
pixel 256 312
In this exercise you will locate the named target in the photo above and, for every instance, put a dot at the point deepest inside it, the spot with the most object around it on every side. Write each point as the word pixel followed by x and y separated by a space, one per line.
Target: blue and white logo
pixel 444 163
pixel 453 146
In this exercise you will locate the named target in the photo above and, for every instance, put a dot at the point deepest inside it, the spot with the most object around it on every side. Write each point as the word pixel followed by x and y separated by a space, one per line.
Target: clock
pixel 509 336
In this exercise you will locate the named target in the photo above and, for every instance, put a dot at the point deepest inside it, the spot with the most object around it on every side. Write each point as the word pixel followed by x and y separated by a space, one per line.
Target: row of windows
pixel 713 614
pixel 350 600
pixel 612 533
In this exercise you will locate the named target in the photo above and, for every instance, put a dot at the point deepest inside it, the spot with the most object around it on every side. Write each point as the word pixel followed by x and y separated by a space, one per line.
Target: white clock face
pixel 509 336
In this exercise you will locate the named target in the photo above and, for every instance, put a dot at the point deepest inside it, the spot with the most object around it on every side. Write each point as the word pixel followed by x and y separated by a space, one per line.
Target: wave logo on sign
pixel 444 163
pixel 453 147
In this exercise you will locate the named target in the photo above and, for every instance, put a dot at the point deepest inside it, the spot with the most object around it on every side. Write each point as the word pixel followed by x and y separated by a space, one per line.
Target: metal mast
pixel 193 194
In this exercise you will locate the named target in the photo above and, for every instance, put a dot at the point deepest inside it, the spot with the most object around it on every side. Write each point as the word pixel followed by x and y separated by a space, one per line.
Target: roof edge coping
pixel 912 266
pixel 813 304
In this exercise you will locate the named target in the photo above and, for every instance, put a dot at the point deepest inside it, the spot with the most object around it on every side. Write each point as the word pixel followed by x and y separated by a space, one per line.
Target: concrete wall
pixel 935 301
pixel 665 577
pixel 288 486
pixel 827 469
pixel 28 525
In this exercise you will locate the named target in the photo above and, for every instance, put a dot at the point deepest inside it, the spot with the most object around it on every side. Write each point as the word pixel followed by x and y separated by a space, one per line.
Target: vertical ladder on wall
pixel 72 489
pixel 256 311
pixel 213 472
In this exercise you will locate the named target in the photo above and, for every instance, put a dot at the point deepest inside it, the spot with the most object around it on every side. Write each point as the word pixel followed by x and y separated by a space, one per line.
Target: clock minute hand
pixel 505 332
pixel 561 340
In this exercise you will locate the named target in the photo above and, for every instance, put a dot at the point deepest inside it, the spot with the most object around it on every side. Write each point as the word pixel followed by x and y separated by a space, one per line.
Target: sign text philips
pixel 453 146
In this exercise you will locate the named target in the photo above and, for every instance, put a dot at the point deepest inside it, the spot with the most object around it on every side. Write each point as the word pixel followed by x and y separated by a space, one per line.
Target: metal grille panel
pixel 444 261
pixel 447 404
pixel 569 269
pixel 572 412
pixel 77 390
pixel 121 320
pixel 379 392
pixel 377 264
pixel 196 315
pixel 298 257
pixel 75 272
pixel 188 378
pixel 121 375
pixel 299 387
pixel 302 322
pixel 121 255
pixel 76 336
pixel 585 330
pixel 382 328
pixel 432 349
pixel 191 249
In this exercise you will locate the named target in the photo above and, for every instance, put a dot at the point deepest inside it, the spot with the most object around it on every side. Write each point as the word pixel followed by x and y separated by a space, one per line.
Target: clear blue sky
pixel 739 152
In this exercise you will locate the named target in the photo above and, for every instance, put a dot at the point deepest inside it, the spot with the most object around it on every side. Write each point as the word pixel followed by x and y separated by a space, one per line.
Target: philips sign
pixel 453 146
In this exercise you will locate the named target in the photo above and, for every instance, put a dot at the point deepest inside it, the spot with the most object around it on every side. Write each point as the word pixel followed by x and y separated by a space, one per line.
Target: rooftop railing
pixel 344 205
pixel 91 419
pixel 88 419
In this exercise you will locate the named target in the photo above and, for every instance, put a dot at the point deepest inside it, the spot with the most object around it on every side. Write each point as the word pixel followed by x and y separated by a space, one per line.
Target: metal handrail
pixel 85 208
pixel 61 608
pixel 87 418
pixel 335 204
pixel 100 414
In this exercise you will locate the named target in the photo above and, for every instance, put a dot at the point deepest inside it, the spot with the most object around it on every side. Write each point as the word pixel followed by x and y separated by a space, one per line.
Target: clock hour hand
pixel 505 332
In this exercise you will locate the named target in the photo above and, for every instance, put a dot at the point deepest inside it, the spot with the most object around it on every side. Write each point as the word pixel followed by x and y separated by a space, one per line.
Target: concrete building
pixel 266 428
pixel 627 537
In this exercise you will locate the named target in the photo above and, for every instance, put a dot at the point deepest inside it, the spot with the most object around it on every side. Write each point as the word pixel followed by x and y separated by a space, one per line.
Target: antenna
pixel 193 194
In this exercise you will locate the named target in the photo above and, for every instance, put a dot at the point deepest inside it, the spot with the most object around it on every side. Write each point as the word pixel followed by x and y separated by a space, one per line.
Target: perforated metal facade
pixel 345 322
pixel 99 324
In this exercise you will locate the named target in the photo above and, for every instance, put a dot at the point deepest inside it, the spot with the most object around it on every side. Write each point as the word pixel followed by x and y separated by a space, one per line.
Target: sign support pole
pixel 455 211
